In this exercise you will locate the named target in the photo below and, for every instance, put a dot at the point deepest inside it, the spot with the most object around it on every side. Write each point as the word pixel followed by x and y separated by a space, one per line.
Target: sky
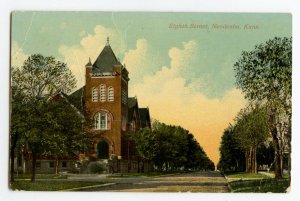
pixel 180 64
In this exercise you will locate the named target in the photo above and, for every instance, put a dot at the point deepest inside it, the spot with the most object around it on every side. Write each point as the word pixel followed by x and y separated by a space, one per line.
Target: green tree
pixel 31 86
pixel 171 148
pixel 40 77
pixel 232 157
pixel 265 154
pixel 251 130
pixel 65 136
pixel 193 153
pixel 172 142
pixel 19 113
pixel 265 75
pixel 146 143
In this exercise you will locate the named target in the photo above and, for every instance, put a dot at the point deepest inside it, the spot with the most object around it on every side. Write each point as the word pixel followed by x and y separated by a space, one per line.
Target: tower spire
pixel 89 64
pixel 107 41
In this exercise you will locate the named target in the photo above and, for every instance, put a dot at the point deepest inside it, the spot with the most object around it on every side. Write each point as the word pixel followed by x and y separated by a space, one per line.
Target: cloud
pixel 174 100
pixel 137 60
pixel 181 59
pixel 142 60
pixel 17 55
pixel 90 47
pixel 175 93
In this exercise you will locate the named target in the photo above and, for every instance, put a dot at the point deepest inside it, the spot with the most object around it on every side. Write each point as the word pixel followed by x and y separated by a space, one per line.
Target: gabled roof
pixel 105 61
pixel 77 99
pixel 132 101
pixel 70 101
pixel 132 105
pixel 144 117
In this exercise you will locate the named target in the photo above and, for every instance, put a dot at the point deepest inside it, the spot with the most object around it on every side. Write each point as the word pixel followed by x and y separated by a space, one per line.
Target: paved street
pixel 187 182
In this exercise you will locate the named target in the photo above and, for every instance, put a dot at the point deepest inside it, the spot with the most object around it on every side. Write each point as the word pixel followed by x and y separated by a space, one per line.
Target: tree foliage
pixel 265 76
pixel 265 154
pixel 245 144
pixel 251 130
pixel 265 73
pixel 65 136
pixel 171 148
pixel 42 125
pixel 232 156
pixel 41 77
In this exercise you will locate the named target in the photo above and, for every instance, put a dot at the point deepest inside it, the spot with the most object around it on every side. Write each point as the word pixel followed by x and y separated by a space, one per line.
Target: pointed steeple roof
pixel 106 60
pixel 89 64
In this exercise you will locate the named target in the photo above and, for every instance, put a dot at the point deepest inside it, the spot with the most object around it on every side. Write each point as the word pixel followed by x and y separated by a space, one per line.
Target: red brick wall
pixel 112 136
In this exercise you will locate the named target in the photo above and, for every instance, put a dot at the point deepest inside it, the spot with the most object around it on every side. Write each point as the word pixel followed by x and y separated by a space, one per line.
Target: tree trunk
pixel 56 166
pixel 138 162
pixel 289 167
pixel 254 163
pixel 12 164
pixel 33 166
pixel 12 156
pixel 289 136
pixel 250 157
pixel 247 160
pixel 277 154
pixel 251 161
pixel 143 165
pixel 277 147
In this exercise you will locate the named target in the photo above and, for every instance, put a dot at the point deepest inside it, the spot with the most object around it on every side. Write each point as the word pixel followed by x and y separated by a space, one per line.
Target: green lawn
pixel 41 176
pixel 50 185
pixel 260 185
pixel 243 175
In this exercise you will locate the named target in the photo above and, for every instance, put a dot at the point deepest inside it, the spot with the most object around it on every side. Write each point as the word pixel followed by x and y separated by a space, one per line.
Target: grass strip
pixel 41 176
pixel 243 175
pixel 260 186
pixel 50 185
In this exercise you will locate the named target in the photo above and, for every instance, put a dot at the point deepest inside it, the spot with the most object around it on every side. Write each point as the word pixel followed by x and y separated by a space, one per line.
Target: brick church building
pixel 104 102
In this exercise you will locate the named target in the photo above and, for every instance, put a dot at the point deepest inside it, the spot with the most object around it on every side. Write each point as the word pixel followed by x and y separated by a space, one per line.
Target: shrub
pixel 96 168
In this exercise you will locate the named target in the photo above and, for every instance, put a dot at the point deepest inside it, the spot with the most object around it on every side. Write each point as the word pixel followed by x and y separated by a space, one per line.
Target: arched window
pixel 94 94
pixel 110 94
pixel 102 93
pixel 102 121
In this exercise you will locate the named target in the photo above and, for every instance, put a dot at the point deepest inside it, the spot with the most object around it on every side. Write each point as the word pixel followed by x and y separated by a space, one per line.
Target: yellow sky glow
pixel 166 92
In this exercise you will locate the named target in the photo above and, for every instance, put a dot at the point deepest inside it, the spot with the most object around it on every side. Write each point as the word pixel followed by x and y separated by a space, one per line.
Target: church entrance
pixel 102 150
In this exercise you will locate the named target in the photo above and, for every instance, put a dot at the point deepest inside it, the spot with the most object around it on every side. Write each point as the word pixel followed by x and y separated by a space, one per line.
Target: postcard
pixel 150 101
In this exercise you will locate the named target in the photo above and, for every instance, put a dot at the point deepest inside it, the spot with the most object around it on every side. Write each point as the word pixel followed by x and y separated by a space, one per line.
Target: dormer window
pixel 102 93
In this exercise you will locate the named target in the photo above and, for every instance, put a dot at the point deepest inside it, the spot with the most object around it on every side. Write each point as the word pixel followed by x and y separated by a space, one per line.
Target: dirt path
pixel 188 182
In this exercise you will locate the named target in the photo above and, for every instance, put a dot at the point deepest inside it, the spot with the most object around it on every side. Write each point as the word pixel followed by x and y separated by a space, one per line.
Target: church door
pixel 102 150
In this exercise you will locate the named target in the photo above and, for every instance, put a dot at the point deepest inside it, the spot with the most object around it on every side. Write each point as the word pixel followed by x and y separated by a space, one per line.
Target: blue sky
pixel 185 72
pixel 50 30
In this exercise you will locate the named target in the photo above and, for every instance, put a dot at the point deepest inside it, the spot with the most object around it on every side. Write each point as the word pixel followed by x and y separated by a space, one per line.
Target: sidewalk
pixel 88 187
pixel 87 176
pixel 271 175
